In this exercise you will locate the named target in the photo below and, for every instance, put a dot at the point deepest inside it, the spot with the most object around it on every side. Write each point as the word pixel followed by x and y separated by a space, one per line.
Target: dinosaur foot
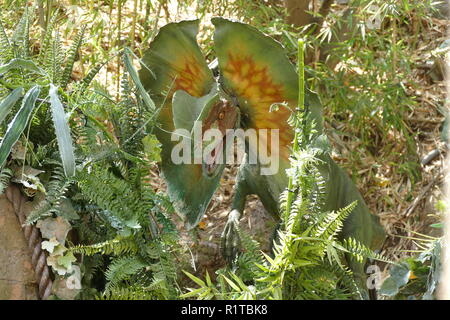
pixel 230 240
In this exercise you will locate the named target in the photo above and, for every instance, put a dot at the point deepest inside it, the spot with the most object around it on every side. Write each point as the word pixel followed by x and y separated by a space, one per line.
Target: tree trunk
pixel 297 12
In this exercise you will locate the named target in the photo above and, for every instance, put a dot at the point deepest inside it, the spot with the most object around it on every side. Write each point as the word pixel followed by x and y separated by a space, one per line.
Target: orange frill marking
pixel 252 82
pixel 190 77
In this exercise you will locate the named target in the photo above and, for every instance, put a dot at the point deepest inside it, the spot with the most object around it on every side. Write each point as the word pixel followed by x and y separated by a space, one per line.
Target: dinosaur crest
pixel 255 70
pixel 177 77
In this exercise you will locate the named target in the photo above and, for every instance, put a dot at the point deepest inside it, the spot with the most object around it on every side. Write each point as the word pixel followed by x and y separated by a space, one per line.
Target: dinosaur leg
pixel 230 242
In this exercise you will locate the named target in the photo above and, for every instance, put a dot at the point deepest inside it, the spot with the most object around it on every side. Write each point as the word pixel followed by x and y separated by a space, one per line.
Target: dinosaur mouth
pixel 222 117
pixel 216 157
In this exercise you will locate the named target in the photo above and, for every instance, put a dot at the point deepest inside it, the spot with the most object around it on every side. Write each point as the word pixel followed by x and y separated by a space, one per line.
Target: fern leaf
pixel 90 76
pixel 333 222
pixel 20 34
pixel 5 176
pixel 47 39
pixel 54 59
pixel 116 247
pixel 71 56
pixel 52 204
pixel 129 293
pixel 121 269
pixel 6 50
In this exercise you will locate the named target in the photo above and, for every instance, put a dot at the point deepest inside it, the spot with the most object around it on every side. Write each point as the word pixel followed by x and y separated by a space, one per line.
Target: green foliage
pixel 416 277
pixel 364 75
pixel 125 240
pixel 116 246
pixel 5 176
pixel 128 293
pixel 18 124
pixel 39 78
pixel 136 235
pixel 55 201
pixel 71 56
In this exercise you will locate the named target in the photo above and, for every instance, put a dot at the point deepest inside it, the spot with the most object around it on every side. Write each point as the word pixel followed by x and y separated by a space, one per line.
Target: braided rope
pixel 33 238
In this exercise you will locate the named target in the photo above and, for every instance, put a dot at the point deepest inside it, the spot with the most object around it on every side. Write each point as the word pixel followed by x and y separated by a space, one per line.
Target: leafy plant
pixel 36 77
pixel 122 229
pixel 416 277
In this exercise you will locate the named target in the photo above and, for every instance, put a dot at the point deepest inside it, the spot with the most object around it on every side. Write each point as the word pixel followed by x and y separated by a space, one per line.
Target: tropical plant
pixel 416 277
pixel 124 228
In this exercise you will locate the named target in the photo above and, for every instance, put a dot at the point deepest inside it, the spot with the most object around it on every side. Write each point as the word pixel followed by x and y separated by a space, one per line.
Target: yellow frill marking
pixel 190 77
pixel 252 82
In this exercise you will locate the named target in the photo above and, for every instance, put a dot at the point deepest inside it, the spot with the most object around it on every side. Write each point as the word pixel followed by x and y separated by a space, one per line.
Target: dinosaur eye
pixel 221 115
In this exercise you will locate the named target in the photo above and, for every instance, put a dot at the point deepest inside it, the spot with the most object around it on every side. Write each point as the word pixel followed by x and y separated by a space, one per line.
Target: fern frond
pixel 20 35
pixel 116 247
pixel 121 269
pixel 164 270
pixel 71 56
pixel 90 76
pixel 118 200
pixel 359 251
pixel 44 51
pixel 52 203
pixel 6 50
pixel 127 293
pixel 332 223
pixel 5 176
pixel 54 59
pixel 247 262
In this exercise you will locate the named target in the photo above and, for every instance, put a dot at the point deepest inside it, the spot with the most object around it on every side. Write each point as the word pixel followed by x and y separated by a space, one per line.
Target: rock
pixel 17 279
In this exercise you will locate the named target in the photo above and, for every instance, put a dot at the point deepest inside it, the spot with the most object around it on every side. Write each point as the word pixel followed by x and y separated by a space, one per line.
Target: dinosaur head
pixel 223 117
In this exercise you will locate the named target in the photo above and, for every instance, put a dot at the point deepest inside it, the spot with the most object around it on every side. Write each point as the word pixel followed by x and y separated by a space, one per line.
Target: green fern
pixel 86 81
pixel 118 199
pixel 6 51
pixel 20 36
pixel 128 293
pixel 121 269
pixel 47 39
pixel 5 176
pixel 71 56
pixel 53 202
pixel 332 223
pixel 55 59
pixel 116 247
pixel 359 251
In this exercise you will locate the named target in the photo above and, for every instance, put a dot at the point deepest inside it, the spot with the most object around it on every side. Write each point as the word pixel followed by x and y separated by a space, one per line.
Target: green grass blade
pixel 62 131
pixel 18 124
pixel 7 104
pixel 134 76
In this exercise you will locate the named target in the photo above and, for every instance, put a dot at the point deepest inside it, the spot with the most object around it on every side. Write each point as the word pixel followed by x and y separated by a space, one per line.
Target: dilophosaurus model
pixel 255 74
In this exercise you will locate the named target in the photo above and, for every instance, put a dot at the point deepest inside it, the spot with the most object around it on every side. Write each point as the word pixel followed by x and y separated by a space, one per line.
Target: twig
pixel 421 196
pixel 430 156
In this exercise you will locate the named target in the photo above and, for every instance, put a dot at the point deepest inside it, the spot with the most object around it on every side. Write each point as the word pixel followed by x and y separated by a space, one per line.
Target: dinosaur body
pixel 255 75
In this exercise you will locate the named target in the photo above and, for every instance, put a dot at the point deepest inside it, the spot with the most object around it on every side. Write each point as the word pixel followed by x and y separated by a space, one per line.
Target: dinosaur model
pixel 255 74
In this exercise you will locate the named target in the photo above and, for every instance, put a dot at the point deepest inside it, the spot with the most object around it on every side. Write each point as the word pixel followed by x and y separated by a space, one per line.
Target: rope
pixel 33 238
